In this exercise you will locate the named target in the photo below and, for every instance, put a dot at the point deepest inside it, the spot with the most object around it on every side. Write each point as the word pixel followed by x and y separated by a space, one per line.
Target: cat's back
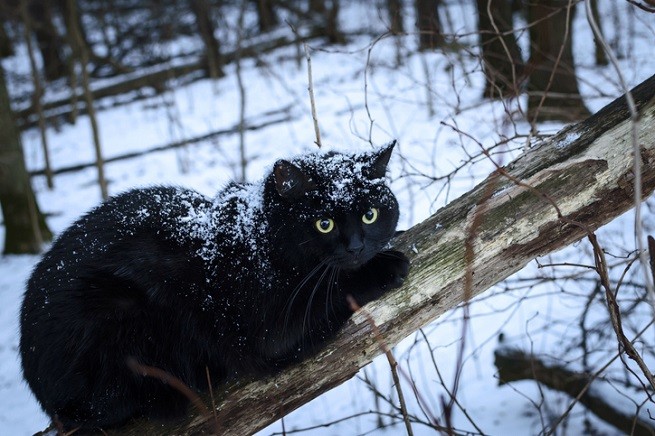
pixel 135 239
pixel 128 221
pixel 123 280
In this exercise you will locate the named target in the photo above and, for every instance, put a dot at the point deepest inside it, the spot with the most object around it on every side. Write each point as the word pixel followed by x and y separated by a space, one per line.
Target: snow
pixel 362 100
pixel 569 139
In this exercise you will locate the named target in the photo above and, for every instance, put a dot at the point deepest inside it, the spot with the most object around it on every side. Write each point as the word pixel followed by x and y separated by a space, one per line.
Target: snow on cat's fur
pixel 242 284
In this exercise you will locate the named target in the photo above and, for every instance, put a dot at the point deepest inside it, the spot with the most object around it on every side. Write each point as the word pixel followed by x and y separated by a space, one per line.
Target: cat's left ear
pixel 379 161
pixel 290 181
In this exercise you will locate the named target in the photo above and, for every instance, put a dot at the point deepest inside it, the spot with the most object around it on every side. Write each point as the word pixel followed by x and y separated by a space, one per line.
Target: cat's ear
pixel 379 161
pixel 290 181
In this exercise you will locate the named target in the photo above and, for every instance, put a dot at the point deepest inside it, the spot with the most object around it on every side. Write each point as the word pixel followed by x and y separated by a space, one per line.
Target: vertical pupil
pixel 369 215
pixel 325 224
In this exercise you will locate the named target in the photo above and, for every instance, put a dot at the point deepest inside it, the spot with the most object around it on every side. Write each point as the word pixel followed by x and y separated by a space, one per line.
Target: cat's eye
pixel 324 225
pixel 370 216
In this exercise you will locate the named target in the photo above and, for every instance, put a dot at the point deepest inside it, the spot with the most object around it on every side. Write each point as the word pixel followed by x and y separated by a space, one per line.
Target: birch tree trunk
pixel 586 170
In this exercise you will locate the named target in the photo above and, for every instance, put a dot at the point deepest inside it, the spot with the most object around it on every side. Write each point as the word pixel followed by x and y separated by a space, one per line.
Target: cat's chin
pixel 350 264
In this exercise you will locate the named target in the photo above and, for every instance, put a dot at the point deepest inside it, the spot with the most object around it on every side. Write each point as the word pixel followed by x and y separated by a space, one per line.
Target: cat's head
pixel 332 207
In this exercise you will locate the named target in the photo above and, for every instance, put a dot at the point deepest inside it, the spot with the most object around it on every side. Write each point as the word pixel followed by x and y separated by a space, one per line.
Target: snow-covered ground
pixel 364 97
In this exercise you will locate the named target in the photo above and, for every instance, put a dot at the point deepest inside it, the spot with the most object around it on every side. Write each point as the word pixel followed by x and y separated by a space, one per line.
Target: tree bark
pixel 501 56
pixel 395 11
pixel 156 78
pixel 24 225
pixel 48 39
pixel 586 169
pixel 38 92
pixel 553 92
pixel 202 11
pixel 80 53
pixel 514 365
pixel 327 20
pixel 601 56
pixel 6 45
pixel 428 24
pixel 266 17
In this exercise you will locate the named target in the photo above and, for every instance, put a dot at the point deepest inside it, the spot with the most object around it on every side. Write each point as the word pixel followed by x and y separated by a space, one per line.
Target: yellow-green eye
pixel 324 225
pixel 370 216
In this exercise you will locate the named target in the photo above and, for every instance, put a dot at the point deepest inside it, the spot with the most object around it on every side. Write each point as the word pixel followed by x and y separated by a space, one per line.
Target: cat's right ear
pixel 290 182
pixel 379 161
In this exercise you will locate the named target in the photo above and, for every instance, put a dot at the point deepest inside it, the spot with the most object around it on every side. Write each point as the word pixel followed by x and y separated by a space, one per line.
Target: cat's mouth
pixel 350 262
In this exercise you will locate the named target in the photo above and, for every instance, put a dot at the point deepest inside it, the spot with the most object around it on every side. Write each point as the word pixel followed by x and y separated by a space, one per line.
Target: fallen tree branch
pixel 586 170
pixel 514 365
pixel 155 79
pixel 283 115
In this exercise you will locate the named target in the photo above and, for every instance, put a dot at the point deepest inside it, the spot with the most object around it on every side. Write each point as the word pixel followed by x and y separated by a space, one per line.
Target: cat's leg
pixel 386 271
pixel 91 401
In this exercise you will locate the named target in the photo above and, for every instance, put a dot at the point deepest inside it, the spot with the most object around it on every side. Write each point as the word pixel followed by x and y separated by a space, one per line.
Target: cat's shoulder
pixel 148 203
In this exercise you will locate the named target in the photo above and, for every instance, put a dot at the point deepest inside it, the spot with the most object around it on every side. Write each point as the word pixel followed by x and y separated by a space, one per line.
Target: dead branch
pixel 154 79
pixel 514 365
pixel 312 100
pixel 586 170
pixel 282 115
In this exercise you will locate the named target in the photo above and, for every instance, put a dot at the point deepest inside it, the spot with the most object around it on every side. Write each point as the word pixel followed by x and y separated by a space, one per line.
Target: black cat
pixel 243 284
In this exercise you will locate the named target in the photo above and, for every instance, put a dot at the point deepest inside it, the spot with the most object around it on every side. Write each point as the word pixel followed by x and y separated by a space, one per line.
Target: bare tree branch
pixel 514 365
pixel 585 170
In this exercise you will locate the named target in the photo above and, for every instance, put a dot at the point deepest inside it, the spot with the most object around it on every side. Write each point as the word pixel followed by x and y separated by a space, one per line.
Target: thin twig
pixel 80 52
pixel 492 20
pixel 366 106
pixel 636 150
pixel 354 306
pixel 556 65
pixel 643 7
pixel 169 379
pixel 242 95
pixel 593 377
pixel 615 313
pixel 180 386
pixel 599 258
pixel 312 100
pixel 469 258
pixel 211 394
pixel 443 383
pixel 38 91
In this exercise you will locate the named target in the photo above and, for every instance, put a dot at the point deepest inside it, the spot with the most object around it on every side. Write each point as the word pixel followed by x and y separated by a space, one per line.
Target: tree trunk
pixel 6 45
pixel 327 19
pixel 395 10
pixel 37 94
pixel 514 365
pixel 266 17
pixel 202 11
pixel 25 226
pixel 586 170
pixel 80 53
pixel 48 39
pixel 553 92
pixel 428 24
pixel 155 79
pixel 501 56
pixel 601 56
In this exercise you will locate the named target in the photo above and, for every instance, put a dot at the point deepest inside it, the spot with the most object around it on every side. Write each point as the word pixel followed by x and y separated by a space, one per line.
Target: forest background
pixel 101 96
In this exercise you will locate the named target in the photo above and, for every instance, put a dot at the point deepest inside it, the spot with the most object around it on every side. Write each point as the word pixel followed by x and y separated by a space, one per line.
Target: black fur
pixel 243 284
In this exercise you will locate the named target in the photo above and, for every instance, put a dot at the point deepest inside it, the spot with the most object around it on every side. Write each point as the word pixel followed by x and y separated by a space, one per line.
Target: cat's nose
pixel 355 246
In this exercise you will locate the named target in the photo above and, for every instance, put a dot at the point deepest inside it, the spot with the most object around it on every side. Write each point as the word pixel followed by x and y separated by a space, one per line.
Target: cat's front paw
pixel 393 270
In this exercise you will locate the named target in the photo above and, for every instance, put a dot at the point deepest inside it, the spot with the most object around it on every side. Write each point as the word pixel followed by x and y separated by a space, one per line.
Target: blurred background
pixel 99 96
